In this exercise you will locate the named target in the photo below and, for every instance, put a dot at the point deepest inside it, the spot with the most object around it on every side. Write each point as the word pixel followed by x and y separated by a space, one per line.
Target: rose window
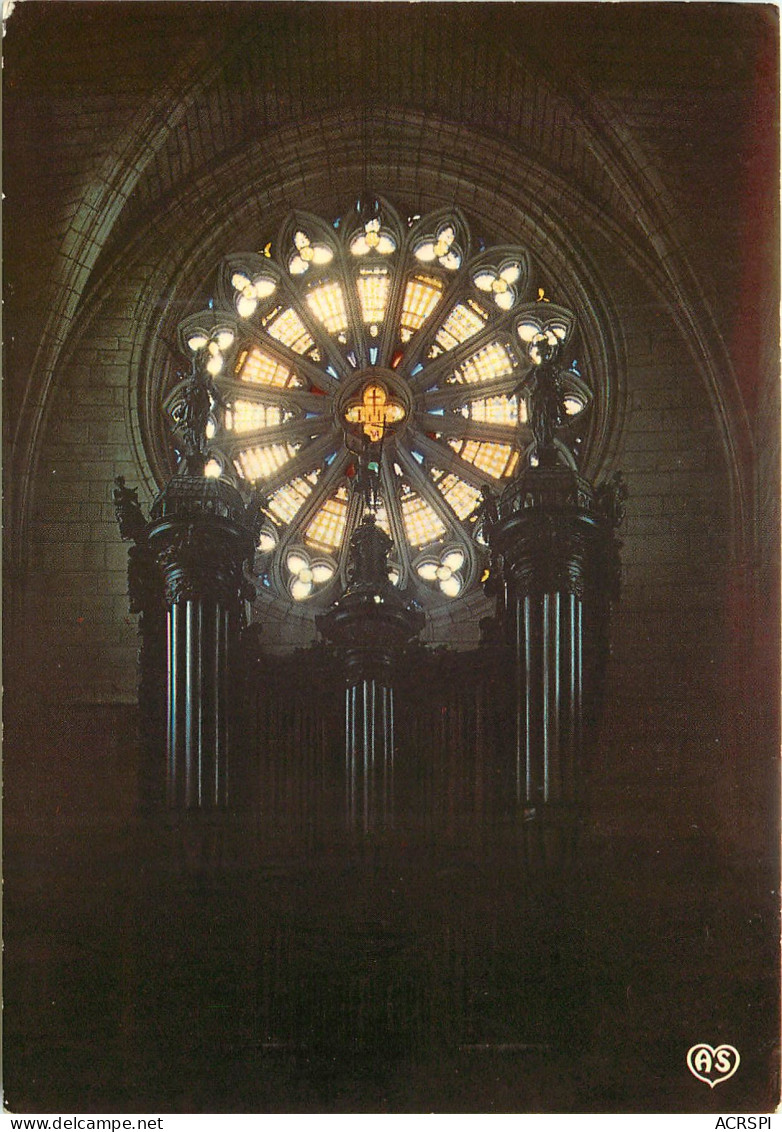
pixel 376 364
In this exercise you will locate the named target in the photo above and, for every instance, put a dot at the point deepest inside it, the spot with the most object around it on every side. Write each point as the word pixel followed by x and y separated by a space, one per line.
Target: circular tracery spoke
pixel 370 335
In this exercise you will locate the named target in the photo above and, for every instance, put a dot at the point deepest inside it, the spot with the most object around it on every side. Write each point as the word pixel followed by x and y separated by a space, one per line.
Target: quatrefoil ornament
pixel 375 412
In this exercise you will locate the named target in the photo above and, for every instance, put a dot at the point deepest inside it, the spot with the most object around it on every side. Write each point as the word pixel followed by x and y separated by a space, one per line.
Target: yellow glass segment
pixel 464 321
pixel 381 518
pixel 486 364
pixel 327 303
pixel 422 524
pixel 327 528
pixel 261 368
pixel 288 328
pixel 422 294
pixel 373 285
pixel 258 463
pixel 247 416
pixel 493 410
pixel 375 412
pixel 494 459
pixel 462 497
pixel 287 501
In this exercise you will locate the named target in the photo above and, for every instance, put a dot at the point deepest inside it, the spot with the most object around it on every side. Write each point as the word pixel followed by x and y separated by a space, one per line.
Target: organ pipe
pixel 553 544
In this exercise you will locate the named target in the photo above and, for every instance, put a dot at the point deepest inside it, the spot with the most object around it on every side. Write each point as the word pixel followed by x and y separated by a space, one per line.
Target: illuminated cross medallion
pixel 375 411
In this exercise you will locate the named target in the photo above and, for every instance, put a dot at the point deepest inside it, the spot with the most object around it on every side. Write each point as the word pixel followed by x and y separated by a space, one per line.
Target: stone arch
pixel 637 217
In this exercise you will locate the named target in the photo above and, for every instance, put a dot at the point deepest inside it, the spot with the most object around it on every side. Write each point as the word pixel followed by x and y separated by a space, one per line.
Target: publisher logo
pixel 712 1065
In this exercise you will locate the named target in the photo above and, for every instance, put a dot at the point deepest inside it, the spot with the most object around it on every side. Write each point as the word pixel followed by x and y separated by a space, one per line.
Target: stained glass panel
pixel 464 321
pixel 493 410
pixel 490 362
pixel 260 368
pixel 327 303
pixel 461 496
pixel 287 501
pixel 374 285
pixel 489 457
pixel 422 294
pixel 249 416
pixel 422 523
pixel 291 331
pixel 257 463
pixel 326 529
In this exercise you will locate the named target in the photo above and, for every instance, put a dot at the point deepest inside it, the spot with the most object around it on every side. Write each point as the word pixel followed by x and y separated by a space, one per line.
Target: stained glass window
pixel 325 531
pixel 249 416
pixel 422 294
pixel 465 320
pixel 374 284
pixel 288 328
pixel 385 337
pixel 490 458
pixel 462 497
pixel 493 410
pixel 422 523
pixel 286 502
pixel 328 306
pixel 488 363
pixel 260 368
pixel 259 463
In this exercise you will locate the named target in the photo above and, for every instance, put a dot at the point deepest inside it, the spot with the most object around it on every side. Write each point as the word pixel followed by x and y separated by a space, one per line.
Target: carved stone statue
pixel 191 414
pixel 368 471
pixel 488 513
pixel 610 499
pixel 368 554
pixel 543 391
pixel 130 517
pixel 194 414
pixel 254 514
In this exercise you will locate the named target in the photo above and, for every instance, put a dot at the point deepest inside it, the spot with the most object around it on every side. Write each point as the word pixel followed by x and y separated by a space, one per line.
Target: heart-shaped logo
pixel 712 1065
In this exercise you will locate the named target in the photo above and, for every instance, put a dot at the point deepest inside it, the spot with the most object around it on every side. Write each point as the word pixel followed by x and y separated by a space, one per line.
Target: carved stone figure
pixel 368 554
pixel 368 473
pixel 544 393
pixel 254 514
pixel 130 517
pixel 488 512
pixel 191 413
pixel 610 499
